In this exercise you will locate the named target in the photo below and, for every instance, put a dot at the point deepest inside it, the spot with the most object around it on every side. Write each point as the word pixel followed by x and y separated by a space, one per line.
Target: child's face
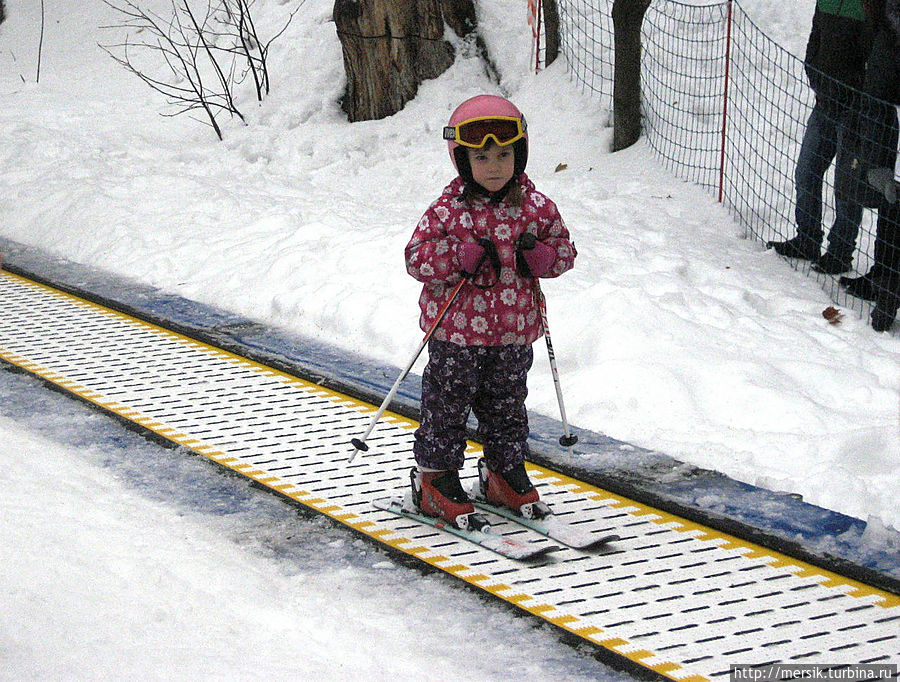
pixel 492 165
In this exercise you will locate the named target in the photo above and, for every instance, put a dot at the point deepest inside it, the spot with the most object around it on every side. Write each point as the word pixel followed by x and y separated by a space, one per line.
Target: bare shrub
pixel 203 51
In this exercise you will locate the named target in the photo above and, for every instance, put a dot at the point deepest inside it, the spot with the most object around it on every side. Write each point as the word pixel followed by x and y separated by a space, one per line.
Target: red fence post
pixel 534 20
pixel 725 103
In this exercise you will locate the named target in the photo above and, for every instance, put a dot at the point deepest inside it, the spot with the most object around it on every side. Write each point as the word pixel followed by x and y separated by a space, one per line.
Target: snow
pixel 672 333
pixel 176 571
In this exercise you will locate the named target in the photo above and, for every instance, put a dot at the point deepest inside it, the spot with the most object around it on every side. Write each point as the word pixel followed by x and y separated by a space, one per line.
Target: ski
pixel 551 527
pixel 510 548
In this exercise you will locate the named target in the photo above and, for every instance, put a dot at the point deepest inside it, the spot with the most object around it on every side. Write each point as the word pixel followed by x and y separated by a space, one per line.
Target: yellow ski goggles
pixel 475 132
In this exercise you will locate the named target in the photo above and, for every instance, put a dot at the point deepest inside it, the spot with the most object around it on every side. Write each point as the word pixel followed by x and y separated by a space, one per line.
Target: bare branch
pixel 206 56
pixel 40 45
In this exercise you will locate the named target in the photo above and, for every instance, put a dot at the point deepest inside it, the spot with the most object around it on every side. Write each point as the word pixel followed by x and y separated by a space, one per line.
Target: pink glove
pixel 540 259
pixel 469 255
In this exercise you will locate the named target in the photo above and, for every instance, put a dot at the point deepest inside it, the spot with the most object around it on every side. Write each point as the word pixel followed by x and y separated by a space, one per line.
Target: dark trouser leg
pixel 816 153
pixel 499 406
pixel 887 248
pixel 887 255
pixel 848 211
pixel 887 238
pixel 449 383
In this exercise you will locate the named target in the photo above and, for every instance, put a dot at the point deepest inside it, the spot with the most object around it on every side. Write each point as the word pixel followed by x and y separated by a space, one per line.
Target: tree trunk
pixel 551 31
pixel 628 15
pixel 391 46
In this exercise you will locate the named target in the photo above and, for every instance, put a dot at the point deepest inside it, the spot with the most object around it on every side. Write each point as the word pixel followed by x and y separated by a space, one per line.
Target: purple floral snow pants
pixel 489 381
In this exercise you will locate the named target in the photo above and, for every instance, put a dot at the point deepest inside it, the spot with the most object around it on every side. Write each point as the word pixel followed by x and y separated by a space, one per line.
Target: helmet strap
pixel 472 188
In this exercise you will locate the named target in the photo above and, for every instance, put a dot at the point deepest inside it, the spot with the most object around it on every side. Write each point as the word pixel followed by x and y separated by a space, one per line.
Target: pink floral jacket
pixel 503 312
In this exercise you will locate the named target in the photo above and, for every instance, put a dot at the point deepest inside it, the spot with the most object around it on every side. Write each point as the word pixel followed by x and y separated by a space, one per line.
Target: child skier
pixel 480 354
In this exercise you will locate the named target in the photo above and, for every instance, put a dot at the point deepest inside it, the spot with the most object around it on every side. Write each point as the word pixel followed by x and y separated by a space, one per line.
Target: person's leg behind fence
pixel 819 147
pixel 848 210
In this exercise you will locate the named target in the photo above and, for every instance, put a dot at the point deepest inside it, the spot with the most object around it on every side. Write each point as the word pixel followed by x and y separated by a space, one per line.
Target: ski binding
pixel 479 534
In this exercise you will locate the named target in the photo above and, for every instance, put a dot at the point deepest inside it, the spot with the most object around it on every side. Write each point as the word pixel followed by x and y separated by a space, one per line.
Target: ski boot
pixel 512 490
pixel 887 301
pixel 867 286
pixel 801 247
pixel 440 494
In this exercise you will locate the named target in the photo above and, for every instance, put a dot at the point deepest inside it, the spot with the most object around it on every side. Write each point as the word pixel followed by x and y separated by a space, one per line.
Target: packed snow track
pixel 671 596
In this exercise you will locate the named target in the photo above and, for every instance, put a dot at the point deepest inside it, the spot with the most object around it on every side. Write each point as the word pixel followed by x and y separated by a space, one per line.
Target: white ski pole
pixel 526 242
pixel 568 439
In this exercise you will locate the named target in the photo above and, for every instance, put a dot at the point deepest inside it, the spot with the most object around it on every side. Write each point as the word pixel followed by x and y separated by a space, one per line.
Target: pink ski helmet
pixel 481 119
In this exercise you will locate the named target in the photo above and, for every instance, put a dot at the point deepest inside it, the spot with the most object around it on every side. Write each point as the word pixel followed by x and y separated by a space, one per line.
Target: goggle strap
pixel 450 131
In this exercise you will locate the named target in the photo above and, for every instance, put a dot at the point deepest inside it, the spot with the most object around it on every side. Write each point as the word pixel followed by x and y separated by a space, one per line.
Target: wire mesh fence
pixel 586 42
pixel 726 107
